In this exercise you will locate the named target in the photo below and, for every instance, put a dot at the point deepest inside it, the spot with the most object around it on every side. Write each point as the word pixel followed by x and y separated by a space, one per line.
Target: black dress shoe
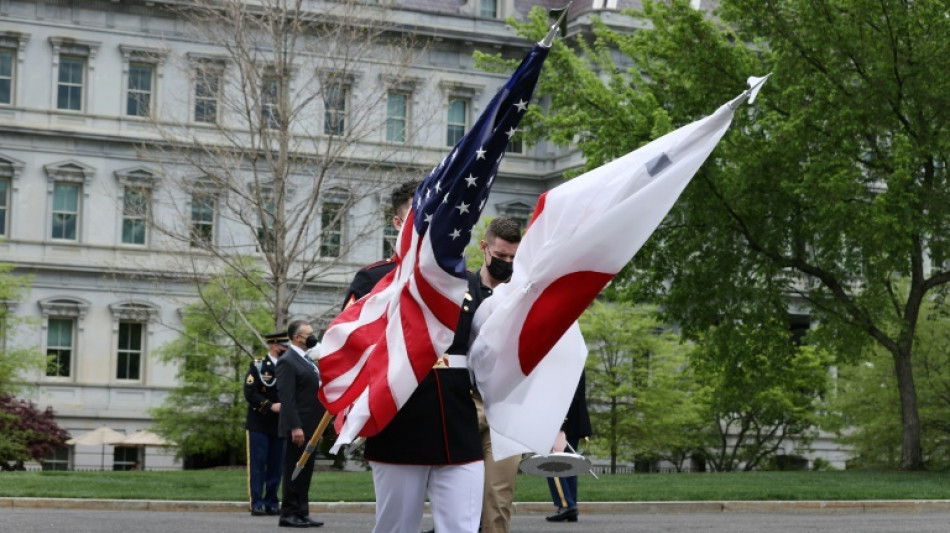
pixel 564 514
pixel 311 523
pixel 272 511
pixel 292 521
pixel 258 511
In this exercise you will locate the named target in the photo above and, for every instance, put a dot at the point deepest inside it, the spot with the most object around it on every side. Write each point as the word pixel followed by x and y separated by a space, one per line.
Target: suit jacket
pixel 260 391
pixel 297 386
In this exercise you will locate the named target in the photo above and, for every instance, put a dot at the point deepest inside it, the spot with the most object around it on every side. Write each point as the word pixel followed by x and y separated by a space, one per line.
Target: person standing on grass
pixel 576 426
pixel 265 446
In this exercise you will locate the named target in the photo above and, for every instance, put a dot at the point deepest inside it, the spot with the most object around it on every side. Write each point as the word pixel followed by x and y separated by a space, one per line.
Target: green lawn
pixel 230 485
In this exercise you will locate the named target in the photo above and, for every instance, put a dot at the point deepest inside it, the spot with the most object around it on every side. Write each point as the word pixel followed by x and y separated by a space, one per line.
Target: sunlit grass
pixel 230 485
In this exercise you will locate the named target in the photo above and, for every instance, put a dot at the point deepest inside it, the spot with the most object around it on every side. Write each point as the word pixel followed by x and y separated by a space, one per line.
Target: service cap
pixel 277 338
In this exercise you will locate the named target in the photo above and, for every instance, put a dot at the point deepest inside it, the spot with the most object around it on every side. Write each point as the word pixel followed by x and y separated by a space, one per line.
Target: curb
pixel 804 507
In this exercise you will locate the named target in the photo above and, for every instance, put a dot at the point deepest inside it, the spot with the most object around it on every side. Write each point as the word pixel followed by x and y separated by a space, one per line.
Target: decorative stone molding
pixel 64 307
pixel 137 177
pixel 69 171
pixel 134 311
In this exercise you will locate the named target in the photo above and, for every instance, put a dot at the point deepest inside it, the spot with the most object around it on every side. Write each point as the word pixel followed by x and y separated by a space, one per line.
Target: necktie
pixel 312 364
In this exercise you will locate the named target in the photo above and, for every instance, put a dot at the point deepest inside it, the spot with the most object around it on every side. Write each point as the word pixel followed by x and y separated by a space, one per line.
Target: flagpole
pixel 312 445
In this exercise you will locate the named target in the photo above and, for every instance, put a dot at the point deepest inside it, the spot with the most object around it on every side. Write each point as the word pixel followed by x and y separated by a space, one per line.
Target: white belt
pixel 452 361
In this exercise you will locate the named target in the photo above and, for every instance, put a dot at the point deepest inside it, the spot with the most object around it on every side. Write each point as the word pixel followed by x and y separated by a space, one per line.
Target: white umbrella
pixel 145 438
pixel 98 437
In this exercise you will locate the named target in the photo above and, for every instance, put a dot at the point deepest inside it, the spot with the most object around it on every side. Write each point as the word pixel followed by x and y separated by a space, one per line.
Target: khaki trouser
pixel 499 481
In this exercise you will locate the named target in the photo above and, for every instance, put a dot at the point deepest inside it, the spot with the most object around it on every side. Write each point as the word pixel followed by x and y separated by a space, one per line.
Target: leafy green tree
pixel 639 400
pixel 757 390
pixel 831 188
pixel 28 433
pixel 866 410
pixel 220 336
pixel 14 360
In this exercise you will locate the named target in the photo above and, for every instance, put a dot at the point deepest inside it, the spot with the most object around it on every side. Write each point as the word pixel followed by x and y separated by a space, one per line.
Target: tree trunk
pixel 911 455
pixel 614 435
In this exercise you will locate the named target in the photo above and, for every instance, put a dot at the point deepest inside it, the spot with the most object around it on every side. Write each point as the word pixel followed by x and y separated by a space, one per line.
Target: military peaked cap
pixel 278 338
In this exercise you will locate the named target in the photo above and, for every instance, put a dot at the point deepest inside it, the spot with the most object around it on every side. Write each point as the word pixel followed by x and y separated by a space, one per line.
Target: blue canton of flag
pixel 452 197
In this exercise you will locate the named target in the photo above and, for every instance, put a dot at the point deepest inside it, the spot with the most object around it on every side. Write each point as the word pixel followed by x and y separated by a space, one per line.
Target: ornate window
pixel 68 183
pixel 460 96
pixel 141 70
pixel 10 170
pixel 334 109
pixel 397 116
pixel 130 321
pixel 332 218
pixel 73 61
pixel 208 72
pixel 12 46
pixel 62 321
pixel 135 189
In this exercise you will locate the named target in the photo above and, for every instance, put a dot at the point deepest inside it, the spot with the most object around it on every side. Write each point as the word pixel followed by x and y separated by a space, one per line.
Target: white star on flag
pixel 462 207
pixel 471 180
pixel 480 153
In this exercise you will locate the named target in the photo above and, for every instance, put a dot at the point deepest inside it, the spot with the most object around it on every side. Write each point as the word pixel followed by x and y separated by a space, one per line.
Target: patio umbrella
pixel 98 437
pixel 144 439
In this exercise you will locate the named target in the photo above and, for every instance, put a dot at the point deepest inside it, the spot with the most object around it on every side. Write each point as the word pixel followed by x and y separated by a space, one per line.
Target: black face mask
pixel 311 341
pixel 499 269
pixel 281 352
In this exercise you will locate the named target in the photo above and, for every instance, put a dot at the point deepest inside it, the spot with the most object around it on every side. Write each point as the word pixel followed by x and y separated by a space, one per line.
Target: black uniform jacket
pixel 367 278
pixel 297 386
pixel 577 421
pixel 439 424
pixel 260 391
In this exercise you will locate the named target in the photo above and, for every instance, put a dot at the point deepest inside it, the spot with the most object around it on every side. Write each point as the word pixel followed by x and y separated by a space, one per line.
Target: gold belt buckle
pixel 443 362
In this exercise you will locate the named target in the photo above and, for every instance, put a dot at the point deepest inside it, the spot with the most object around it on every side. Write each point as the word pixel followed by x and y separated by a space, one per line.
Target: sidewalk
pixel 816 507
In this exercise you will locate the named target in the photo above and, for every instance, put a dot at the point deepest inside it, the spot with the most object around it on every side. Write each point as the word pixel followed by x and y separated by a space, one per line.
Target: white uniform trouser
pixel 454 491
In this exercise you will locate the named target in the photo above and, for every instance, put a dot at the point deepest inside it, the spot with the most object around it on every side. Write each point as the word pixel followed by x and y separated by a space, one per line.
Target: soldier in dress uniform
pixel 432 447
pixel 265 446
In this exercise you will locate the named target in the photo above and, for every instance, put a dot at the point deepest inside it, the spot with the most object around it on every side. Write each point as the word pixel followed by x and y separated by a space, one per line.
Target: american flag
pixel 375 353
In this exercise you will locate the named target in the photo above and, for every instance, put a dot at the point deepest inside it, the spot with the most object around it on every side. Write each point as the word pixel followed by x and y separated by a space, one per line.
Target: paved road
pixel 40 520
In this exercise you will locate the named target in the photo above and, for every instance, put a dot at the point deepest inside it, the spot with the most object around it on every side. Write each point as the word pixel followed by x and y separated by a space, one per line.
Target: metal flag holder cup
pixel 557 464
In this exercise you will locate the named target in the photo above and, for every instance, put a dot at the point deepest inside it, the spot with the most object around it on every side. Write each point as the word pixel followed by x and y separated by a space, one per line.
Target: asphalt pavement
pixel 746 520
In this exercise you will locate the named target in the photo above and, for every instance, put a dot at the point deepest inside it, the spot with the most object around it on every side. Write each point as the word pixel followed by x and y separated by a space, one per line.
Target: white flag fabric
pixel 528 354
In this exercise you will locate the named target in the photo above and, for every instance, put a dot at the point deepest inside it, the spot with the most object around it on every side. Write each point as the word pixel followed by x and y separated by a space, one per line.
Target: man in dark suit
pixel 265 446
pixel 300 411
pixel 576 426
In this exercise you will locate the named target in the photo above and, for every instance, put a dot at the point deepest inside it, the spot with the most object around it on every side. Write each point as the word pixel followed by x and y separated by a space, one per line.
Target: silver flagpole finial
pixel 755 85
pixel 549 38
